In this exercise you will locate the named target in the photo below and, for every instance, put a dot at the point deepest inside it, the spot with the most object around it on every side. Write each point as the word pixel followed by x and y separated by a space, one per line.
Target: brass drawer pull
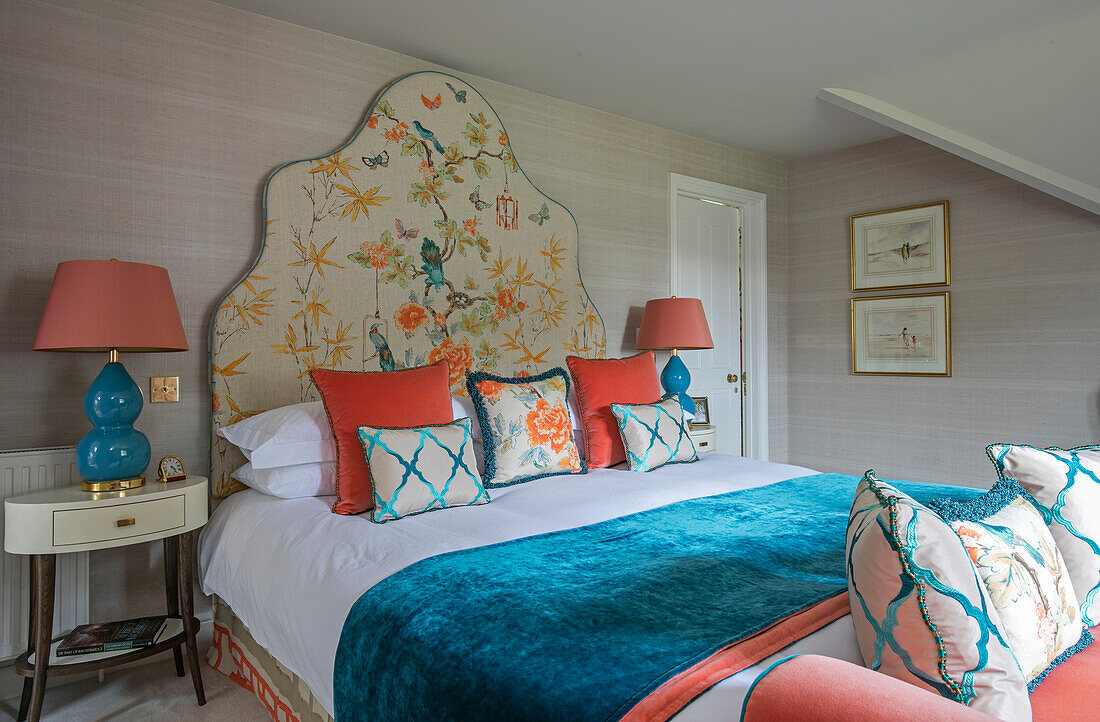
pixel 704 443
pixel 125 522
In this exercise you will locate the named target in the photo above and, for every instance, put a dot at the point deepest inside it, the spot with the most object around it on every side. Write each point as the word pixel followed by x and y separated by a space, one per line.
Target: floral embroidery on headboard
pixel 421 239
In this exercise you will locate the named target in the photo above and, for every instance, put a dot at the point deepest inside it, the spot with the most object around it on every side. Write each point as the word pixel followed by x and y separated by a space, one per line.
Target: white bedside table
pixel 705 438
pixel 58 521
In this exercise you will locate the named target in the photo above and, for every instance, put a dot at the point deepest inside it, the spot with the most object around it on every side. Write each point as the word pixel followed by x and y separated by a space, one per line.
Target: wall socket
pixel 164 388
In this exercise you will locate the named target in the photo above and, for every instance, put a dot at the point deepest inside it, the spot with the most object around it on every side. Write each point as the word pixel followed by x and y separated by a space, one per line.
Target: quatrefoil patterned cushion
pixel 654 434
pixel 421 469
pixel 1066 483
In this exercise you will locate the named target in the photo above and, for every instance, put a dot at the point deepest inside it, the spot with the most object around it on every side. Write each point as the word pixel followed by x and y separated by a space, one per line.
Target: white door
pixel 708 253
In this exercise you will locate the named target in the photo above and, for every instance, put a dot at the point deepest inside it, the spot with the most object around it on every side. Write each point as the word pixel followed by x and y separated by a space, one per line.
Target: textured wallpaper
pixel 1025 320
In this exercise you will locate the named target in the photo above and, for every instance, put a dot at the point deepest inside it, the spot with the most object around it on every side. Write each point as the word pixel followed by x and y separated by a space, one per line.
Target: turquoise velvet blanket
pixel 584 623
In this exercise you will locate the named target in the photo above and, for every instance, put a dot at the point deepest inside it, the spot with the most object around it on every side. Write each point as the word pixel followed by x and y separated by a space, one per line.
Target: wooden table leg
pixel 187 608
pixel 44 584
pixel 171 590
pixel 28 682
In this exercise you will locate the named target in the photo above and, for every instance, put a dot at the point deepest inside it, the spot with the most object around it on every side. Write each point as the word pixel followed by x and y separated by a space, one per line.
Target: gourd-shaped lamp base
pixel 113 455
pixel 675 379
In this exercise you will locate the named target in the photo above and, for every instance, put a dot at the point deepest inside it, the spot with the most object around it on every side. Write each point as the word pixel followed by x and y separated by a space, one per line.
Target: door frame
pixel 754 293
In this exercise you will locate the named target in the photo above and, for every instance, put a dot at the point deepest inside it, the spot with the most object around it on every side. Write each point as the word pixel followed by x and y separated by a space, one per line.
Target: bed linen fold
pixel 593 622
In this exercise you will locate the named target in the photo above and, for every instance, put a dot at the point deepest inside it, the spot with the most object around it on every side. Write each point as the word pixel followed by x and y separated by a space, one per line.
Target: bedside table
pixel 705 438
pixel 48 523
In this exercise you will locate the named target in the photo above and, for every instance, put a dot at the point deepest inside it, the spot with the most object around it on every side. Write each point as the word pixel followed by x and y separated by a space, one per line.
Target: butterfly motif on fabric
pixel 403 233
pixel 543 214
pixel 379 161
pixel 431 103
pixel 475 198
pixel 460 95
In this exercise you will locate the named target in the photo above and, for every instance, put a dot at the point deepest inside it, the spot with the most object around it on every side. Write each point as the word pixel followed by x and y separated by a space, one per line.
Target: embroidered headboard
pixel 421 239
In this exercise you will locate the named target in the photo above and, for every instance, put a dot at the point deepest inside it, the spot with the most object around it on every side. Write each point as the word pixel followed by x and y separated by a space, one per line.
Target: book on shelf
pixel 112 636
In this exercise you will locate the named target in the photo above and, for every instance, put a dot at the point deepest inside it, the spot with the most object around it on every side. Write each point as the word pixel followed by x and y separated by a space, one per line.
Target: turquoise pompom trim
pixel 1085 641
pixel 1002 494
pixel 487 441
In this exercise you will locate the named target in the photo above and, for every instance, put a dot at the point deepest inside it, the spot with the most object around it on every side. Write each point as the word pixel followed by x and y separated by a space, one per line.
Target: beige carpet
pixel 149 692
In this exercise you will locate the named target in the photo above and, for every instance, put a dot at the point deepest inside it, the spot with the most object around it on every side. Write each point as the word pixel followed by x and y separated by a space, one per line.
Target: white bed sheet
pixel 291 569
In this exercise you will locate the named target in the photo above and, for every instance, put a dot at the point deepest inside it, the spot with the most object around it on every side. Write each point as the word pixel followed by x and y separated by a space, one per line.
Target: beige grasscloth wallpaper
pixel 144 131
pixel 1025 320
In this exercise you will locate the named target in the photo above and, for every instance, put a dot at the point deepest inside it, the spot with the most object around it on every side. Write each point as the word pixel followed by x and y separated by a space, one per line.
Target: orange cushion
pixel 1071 690
pixel 602 382
pixel 410 397
pixel 811 688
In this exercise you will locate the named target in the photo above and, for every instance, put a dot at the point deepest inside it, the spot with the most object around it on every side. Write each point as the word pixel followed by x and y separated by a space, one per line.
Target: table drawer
pixel 118 521
pixel 706 441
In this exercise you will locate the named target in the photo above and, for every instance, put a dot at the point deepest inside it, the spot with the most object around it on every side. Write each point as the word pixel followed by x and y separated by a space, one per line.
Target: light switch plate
pixel 164 388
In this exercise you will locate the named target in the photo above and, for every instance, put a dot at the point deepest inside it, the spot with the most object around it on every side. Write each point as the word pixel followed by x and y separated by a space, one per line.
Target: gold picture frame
pixel 702 412
pixel 906 335
pixel 905 247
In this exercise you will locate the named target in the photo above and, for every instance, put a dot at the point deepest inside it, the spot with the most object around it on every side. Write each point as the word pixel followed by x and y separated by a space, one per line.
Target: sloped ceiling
pixel 1019 75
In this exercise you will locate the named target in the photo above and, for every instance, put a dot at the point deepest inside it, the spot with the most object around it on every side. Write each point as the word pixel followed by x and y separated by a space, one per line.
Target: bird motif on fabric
pixel 433 263
pixel 428 135
pixel 385 356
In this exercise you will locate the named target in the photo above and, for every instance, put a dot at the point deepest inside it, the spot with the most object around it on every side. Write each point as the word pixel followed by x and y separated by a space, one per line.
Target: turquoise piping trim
pixel 263 232
pixel 765 673
pixel 487 442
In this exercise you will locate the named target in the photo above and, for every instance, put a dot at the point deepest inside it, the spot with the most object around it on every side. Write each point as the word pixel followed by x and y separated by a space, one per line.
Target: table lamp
pixel 108 307
pixel 675 324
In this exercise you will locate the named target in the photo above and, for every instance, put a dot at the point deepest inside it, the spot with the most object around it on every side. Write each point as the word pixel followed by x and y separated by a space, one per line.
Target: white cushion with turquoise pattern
pixel 654 434
pixel 420 469
pixel 1066 483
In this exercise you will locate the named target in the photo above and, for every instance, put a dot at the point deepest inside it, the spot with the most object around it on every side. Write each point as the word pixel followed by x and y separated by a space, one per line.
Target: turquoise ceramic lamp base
pixel 675 379
pixel 113 455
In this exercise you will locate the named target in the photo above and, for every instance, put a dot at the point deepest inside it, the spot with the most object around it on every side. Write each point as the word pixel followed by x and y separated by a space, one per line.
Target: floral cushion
pixel 1066 484
pixel 529 434
pixel 420 469
pixel 654 434
pixel 1024 573
pixel 920 611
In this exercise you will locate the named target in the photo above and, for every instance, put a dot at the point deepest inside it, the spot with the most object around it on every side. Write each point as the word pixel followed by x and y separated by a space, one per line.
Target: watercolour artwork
pixel 900 248
pixel 904 335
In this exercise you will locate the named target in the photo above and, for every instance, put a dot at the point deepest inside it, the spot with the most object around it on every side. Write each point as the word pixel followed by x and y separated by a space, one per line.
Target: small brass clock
pixel 171 469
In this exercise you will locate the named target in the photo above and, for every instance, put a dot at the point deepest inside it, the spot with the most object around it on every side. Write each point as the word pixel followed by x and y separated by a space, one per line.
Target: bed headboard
pixel 421 239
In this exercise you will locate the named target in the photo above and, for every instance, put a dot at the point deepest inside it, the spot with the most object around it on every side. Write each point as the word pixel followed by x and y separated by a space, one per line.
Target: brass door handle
pixel 731 378
pixel 125 522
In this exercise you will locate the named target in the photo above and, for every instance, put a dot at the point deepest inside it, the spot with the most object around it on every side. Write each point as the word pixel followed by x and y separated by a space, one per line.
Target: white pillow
pixel 288 435
pixel 291 482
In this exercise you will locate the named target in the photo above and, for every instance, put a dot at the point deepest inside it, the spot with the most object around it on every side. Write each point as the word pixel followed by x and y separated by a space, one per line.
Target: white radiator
pixel 21 472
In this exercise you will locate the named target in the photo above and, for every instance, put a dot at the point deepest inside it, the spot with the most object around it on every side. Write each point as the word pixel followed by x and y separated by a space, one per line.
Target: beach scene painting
pixel 900 248
pixel 904 335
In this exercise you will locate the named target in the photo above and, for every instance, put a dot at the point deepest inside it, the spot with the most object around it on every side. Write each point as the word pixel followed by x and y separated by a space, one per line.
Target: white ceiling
pixel 1020 75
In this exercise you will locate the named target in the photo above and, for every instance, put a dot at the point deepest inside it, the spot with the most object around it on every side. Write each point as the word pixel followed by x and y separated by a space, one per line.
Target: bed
pixel 423 240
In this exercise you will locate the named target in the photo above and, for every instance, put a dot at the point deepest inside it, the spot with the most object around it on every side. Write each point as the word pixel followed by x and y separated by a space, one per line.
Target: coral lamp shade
pixel 674 323
pixel 97 306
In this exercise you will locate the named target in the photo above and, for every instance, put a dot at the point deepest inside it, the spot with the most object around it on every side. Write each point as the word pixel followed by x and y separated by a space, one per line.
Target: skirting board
pixel 11 684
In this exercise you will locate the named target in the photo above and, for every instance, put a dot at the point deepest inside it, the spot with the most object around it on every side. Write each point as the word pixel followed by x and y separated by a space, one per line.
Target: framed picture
pixel 902 335
pixel 702 411
pixel 901 248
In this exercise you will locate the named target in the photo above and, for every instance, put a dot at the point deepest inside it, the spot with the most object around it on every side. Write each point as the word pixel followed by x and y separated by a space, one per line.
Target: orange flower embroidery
pixel 396 133
pixel 378 254
pixel 505 299
pixel 549 424
pixel 490 389
pixel 457 355
pixel 503 139
pixel 410 316
pixel 372 122
pixel 217 402
pixel 471 226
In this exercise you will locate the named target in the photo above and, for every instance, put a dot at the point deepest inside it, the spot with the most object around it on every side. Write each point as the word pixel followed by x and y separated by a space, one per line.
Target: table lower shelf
pixel 173 636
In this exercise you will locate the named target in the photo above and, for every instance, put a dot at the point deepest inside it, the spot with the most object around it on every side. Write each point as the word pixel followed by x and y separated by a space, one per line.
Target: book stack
pixel 112 636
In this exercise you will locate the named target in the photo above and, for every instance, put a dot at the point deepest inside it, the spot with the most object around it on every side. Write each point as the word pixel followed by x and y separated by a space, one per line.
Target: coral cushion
pixel 1070 691
pixel 410 397
pixel 602 382
pixel 809 688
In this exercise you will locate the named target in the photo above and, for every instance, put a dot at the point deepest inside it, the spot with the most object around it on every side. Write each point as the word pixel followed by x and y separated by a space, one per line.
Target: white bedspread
pixel 291 569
